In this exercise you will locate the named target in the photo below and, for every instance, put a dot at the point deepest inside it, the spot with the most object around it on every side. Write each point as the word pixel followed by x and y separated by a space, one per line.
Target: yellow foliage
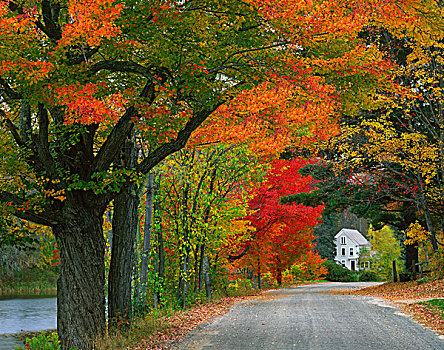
pixel 416 234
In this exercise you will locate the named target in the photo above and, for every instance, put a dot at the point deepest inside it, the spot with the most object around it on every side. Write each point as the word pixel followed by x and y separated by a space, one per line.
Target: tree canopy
pixel 83 82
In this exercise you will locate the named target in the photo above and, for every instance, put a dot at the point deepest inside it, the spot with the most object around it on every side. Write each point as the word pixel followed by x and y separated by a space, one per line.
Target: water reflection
pixel 18 315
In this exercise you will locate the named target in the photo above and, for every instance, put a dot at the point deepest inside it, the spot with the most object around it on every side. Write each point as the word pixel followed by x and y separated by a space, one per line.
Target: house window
pixel 343 263
pixel 351 251
pixel 342 251
pixel 342 239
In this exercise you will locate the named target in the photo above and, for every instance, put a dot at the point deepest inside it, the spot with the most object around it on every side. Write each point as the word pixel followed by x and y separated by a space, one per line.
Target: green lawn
pixel 436 304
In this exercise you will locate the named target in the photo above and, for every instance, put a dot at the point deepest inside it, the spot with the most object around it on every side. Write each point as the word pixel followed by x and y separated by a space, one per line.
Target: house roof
pixel 354 235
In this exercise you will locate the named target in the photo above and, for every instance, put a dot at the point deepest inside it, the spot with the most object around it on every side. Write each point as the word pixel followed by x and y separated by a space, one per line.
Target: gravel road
pixel 308 318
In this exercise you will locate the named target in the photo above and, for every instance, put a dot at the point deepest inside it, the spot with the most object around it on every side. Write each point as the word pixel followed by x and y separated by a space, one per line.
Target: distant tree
pixel 385 248
pixel 325 233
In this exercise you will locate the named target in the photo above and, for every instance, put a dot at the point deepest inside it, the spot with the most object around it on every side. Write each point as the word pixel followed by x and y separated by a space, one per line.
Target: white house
pixel 349 244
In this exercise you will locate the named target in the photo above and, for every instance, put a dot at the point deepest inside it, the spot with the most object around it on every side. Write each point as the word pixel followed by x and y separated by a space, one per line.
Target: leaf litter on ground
pixel 179 324
pixel 412 298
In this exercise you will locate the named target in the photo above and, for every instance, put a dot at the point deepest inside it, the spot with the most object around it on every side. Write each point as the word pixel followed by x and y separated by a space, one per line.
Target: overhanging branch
pixel 160 153
pixel 38 218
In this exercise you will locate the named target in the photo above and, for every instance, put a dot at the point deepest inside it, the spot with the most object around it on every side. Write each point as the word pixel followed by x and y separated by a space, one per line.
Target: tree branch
pixel 11 93
pixel 110 149
pixel 51 11
pixel 130 67
pixel 43 143
pixel 156 156
pixel 38 218
pixel 116 138
pixel 25 121
pixel 237 257
pixel 14 131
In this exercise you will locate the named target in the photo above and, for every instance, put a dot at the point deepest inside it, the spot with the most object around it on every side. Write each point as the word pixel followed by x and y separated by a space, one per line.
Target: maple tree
pixel 78 78
pixel 283 233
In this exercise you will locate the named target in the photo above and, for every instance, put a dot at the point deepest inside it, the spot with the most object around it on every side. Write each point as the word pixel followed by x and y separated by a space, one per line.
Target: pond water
pixel 17 315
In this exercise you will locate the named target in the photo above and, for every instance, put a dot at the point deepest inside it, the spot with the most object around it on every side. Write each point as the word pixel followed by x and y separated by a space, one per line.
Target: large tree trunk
pixel 125 225
pixel 125 221
pixel 80 287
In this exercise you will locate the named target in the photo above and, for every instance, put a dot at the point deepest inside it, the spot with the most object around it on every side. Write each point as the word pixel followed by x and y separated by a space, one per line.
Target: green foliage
pixel 437 264
pixel 30 282
pixel 367 276
pixel 298 271
pixel 268 281
pixel 43 341
pixel 325 233
pixel 384 250
pixel 337 273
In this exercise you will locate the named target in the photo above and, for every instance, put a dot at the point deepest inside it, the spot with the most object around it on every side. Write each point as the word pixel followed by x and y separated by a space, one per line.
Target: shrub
pixel 437 264
pixel 367 276
pixel 337 273
pixel 405 276
pixel 287 277
pixel 44 341
pixel 268 280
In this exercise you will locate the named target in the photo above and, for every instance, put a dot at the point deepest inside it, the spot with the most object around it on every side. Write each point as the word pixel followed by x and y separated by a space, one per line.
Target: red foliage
pixel 284 232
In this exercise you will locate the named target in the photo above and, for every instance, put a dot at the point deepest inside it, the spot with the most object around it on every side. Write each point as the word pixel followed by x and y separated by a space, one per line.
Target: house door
pixel 353 265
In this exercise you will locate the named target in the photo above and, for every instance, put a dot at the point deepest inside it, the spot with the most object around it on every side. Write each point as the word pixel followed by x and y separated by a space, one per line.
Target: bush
pixel 405 276
pixel 298 271
pixel 268 280
pixel 48 341
pixel 337 273
pixel 367 276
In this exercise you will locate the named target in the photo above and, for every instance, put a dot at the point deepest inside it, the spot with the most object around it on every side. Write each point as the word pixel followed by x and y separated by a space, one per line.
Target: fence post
pixel 394 272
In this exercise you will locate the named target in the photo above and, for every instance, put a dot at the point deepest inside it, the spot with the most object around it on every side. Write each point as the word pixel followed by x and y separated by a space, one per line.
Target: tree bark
pixel 80 287
pixel 279 276
pixel 161 268
pixel 394 272
pixel 201 267
pixel 196 268
pixel 206 276
pixel 411 251
pixel 147 232
pixel 125 220
pixel 259 281
pixel 125 224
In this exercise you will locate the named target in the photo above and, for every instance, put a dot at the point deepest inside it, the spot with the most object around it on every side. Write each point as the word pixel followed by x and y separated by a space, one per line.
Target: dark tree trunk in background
pixel 196 268
pixel 160 267
pixel 411 251
pixel 147 232
pixel 201 271
pixel 259 281
pixel 184 277
pixel 279 276
pixel 80 287
pixel 206 268
pixel 125 225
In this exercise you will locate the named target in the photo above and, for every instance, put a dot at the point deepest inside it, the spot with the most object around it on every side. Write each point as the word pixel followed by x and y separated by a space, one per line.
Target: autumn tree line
pixel 208 112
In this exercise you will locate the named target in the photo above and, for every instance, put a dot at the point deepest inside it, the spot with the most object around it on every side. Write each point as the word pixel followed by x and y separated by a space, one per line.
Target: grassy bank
pixel 31 282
